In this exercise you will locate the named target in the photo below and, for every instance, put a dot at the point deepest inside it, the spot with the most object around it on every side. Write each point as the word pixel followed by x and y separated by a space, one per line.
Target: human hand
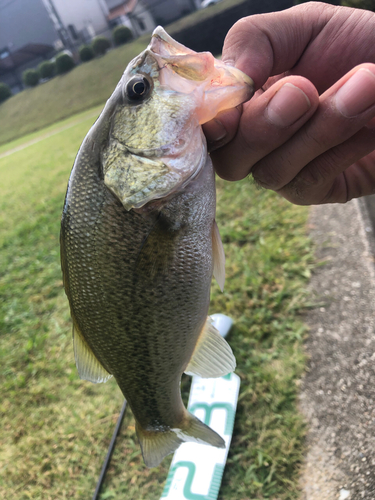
pixel 310 148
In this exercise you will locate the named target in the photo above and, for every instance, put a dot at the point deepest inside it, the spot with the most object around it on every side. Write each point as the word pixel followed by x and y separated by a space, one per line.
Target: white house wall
pixel 141 13
pixel 83 13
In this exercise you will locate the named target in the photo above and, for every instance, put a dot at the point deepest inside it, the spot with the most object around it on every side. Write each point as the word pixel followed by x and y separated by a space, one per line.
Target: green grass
pixel 87 85
pixel 56 428
pixel 57 127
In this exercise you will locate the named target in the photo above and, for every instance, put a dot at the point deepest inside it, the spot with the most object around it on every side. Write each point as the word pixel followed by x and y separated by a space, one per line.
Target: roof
pixel 9 61
pixel 122 9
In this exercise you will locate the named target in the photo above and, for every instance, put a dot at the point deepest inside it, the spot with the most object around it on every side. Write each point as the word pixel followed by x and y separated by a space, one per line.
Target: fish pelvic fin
pixel 218 256
pixel 156 445
pixel 212 356
pixel 88 366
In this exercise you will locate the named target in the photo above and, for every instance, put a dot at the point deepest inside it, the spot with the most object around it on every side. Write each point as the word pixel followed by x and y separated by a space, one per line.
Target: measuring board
pixel 197 469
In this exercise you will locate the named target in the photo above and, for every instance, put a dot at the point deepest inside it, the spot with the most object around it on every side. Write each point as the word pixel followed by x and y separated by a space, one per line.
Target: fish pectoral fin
pixel 212 356
pixel 156 445
pixel 218 256
pixel 88 366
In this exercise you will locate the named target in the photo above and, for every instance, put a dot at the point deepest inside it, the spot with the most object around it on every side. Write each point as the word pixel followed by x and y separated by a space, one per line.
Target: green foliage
pixel 30 77
pixel 55 429
pixel 100 45
pixel 5 92
pixel 121 34
pixel 86 53
pixel 47 69
pixel 360 4
pixel 64 63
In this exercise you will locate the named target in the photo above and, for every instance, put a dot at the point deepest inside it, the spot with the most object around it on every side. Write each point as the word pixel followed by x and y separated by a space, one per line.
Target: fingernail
pixel 357 94
pixel 287 106
pixel 214 130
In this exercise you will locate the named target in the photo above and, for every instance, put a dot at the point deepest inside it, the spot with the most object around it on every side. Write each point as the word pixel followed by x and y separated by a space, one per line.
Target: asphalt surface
pixel 338 391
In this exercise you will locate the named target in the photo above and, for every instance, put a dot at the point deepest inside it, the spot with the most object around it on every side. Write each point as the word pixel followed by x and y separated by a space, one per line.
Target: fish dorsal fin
pixel 212 356
pixel 88 365
pixel 218 256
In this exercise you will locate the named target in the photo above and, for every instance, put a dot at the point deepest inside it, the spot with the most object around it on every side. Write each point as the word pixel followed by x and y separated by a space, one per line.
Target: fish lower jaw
pixel 158 201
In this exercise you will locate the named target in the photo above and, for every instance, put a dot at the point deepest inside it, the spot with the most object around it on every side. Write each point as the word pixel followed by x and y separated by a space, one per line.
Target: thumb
pixel 270 44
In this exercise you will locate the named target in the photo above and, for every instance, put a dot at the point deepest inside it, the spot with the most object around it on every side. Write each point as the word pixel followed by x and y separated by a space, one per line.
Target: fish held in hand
pixel 139 242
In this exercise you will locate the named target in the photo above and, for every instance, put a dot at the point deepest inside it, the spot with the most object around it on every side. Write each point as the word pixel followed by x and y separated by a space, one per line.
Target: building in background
pixel 27 37
pixel 78 21
pixel 132 13
pixel 34 30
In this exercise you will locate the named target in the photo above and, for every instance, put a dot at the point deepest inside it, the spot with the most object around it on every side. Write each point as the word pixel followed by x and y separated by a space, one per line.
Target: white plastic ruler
pixel 197 469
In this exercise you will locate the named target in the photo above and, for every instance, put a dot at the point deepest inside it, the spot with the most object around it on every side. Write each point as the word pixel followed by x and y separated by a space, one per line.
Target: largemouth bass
pixel 139 242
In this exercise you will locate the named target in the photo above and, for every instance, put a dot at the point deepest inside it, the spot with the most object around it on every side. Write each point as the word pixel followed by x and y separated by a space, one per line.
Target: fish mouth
pixel 214 85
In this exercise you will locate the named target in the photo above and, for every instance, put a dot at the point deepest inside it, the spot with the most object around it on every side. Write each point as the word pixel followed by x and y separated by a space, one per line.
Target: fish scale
pixel 116 283
pixel 139 244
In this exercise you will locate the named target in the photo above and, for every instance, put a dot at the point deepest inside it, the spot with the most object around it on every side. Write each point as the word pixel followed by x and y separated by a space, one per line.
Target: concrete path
pixel 338 395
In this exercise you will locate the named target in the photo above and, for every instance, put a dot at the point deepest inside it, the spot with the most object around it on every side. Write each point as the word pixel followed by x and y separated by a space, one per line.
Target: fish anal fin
pixel 88 366
pixel 218 256
pixel 156 445
pixel 212 356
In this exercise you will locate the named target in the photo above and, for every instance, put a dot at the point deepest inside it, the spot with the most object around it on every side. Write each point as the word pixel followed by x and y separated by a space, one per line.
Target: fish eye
pixel 137 88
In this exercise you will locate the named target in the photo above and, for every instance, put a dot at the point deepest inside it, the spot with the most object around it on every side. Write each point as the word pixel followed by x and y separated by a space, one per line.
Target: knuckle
pixel 237 35
pixel 295 192
pixel 314 143
pixel 325 167
pixel 270 176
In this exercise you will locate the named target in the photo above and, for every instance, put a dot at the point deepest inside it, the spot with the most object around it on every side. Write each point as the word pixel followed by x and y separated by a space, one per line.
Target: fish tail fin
pixel 156 445
pixel 194 430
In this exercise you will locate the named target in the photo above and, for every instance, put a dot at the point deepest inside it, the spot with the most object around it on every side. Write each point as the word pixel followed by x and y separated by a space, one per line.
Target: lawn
pixel 65 95
pixel 83 87
pixel 56 428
